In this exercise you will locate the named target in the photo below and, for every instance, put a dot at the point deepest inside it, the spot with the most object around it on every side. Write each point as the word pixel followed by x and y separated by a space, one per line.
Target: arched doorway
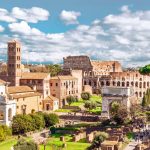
pixel 1 115
pixel 9 114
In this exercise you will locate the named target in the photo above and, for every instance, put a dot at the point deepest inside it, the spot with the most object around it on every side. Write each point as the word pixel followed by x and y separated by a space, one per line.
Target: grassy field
pixel 80 103
pixel 54 142
pixel 6 145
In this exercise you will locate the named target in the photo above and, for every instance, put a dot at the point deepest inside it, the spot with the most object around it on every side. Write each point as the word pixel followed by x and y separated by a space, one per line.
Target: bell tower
pixel 14 62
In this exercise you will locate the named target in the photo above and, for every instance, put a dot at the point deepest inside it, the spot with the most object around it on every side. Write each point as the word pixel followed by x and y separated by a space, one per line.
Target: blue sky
pixel 102 29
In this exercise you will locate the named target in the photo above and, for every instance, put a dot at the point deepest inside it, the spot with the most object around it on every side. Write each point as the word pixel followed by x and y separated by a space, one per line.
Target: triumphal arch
pixel 122 95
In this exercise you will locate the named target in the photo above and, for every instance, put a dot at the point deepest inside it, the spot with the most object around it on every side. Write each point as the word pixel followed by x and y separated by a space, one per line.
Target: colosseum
pixel 107 73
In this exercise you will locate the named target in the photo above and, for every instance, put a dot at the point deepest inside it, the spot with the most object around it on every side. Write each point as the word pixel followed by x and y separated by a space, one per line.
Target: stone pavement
pixel 131 145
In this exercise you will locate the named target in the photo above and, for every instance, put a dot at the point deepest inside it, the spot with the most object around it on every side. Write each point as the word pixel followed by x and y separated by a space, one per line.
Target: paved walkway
pixel 131 145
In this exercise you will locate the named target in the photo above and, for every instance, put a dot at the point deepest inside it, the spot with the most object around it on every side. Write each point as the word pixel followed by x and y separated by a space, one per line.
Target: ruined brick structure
pixel 107 73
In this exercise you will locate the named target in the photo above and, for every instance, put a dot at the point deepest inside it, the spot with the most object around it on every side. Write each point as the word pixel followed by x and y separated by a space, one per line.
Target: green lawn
pixel 64 110
pixel 6 145
pixel 55 142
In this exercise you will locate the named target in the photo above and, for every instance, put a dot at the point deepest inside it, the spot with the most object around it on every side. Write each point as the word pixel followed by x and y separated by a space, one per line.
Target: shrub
pixel 38 121
pixel 90 105
pixel 50 119
pixel 22 124
pixel 70 99
pixel 4 132
pixel 99 138
pixel 85 95
pixel 25 145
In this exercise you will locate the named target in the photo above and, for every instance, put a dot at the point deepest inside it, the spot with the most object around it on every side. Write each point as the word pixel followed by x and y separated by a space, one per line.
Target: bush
pixel 70 99
pixel 148 115
pixel 4 132
pixel 90 105
pixel 38 121
pixel 25 145
pixel 85 96
pixel 50 119
pixel 99 138
pixel 22 124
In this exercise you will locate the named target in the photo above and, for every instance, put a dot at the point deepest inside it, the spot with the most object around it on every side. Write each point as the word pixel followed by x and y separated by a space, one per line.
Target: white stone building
pixel 7 106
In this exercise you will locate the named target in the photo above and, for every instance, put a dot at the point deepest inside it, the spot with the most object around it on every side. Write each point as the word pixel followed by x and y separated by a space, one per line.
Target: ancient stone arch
pixel 9 114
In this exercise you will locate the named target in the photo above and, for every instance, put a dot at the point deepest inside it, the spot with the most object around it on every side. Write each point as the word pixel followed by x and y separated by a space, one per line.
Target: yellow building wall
pixel 32 103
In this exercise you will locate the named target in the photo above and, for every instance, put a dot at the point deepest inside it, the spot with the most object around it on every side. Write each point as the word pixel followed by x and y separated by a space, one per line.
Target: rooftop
pixel 51 98
pixel 15 96
pixel 19 89
pixel 63 78
pixel 33 75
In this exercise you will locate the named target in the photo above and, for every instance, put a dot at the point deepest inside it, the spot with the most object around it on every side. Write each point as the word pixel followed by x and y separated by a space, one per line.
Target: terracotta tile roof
pixel 51 98
pixel 34 75
pixel 15 96
pixel 19 89
pixel 2 81
pixel 63 78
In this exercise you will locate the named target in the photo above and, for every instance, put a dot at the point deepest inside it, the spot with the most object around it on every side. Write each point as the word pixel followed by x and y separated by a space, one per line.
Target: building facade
pixel 14 62
pixel 63 86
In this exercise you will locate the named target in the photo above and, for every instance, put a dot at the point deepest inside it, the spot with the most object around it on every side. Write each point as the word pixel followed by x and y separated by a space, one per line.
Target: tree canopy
pixel 145 70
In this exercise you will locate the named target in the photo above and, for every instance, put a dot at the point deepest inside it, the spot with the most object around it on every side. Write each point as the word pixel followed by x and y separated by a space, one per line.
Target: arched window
pixel 136 94
pixel 84 82
pixel 140 94
pixel 123 84
pixel 147 84
pixel 1 115
pixel 132 83
pixel 118 83
pixel 107 83
pixel 140 84
pixel 102 83
pixel 127 84
pixel 114 83
pixel 144 85
pixel 136 84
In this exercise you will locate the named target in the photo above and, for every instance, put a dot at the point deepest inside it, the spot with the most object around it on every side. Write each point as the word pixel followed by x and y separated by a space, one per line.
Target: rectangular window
pixel 56 84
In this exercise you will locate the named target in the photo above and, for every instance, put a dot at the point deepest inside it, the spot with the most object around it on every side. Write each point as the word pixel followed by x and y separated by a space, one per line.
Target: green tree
pixel 90 105
pixel 50 119
pixel 85 96
pixel 99 138
pixel 22 124
pixel 54 69
pixel 70 99
pixel 38 121
pixel 114 107
pixel 22 144
pixel 145 70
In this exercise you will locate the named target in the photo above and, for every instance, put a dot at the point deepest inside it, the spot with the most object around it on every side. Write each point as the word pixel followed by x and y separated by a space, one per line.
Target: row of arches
pixel 125 84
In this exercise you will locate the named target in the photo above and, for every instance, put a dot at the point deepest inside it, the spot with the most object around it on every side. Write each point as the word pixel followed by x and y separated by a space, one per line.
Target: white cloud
pixel 2 28
pixel 69 17
pixel 33 14
pixel 24 28
pixel 124 37
pixel 5 16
